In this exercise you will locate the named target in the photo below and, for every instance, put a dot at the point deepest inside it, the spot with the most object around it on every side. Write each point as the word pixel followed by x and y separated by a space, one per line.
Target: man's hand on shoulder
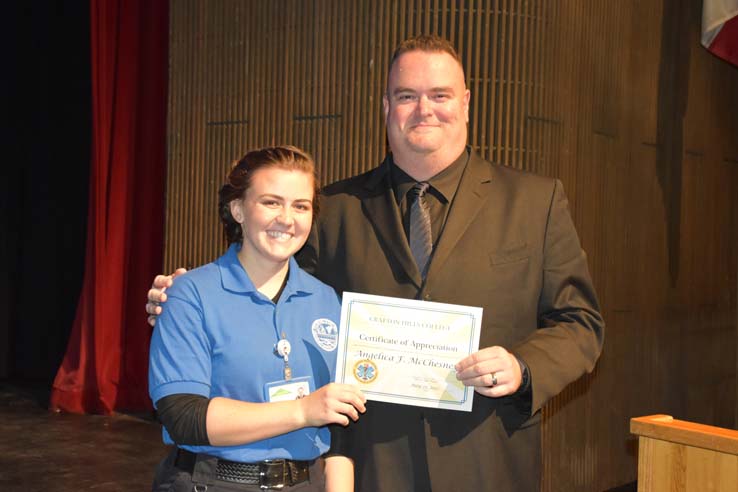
pixel 156 295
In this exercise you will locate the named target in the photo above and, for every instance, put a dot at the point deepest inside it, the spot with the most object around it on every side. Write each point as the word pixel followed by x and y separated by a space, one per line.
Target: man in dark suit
pixel 501 239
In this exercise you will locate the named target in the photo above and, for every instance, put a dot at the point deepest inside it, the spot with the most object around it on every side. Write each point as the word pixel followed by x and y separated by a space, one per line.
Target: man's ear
pixel 385 106
pixel 467 99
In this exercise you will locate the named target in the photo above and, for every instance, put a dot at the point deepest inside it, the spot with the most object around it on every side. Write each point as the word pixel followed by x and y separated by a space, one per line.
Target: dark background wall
pixel 43 199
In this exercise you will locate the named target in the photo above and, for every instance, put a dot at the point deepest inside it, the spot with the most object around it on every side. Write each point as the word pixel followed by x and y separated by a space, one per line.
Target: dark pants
pixel 169 478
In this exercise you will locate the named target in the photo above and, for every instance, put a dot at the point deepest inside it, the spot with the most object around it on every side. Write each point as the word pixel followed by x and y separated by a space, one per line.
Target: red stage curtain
pixel 106 363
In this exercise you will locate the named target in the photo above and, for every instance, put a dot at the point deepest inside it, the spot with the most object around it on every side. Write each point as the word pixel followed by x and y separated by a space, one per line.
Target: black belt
pixel 267 474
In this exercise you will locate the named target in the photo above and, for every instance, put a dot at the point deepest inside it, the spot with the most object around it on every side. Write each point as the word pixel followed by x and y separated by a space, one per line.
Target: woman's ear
pixel 236 207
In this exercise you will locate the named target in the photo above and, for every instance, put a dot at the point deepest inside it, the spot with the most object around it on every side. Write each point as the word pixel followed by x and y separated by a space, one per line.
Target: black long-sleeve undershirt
pixel 185 418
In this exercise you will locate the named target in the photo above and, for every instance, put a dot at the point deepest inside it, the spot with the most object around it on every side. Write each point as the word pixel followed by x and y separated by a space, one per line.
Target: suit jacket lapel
pixel 473 192
pixel 384 214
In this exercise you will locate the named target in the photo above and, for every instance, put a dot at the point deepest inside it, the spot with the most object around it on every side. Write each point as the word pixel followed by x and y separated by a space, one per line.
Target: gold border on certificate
pixel 404 351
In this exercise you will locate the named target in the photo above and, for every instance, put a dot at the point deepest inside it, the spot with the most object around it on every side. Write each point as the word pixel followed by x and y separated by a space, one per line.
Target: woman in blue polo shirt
pixel 242 359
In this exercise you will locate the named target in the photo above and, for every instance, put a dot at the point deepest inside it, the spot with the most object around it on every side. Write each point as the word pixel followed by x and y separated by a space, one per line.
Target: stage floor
pixel 58 452
pixel 42 451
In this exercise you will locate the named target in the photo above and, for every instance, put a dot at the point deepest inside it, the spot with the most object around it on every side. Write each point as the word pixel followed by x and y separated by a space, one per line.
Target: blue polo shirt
pixel 216 337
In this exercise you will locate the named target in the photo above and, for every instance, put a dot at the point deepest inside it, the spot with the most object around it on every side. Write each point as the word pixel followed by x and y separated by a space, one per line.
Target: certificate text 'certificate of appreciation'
pixel 404 351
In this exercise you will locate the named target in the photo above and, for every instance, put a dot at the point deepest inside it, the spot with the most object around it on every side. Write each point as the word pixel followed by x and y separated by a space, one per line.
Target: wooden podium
pixel 679 456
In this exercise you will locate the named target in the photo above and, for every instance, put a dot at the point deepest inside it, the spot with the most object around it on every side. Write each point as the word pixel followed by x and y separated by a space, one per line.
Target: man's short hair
pixel 425 42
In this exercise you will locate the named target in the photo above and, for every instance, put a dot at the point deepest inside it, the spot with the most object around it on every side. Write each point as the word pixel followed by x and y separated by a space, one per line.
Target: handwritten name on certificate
pixel 404 351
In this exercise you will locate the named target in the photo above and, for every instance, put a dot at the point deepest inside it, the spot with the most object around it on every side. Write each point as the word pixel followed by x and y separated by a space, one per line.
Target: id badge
pixel 294 389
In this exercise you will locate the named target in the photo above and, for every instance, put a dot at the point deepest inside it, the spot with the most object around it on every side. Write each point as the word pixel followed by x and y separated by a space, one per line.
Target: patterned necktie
pixel 421 240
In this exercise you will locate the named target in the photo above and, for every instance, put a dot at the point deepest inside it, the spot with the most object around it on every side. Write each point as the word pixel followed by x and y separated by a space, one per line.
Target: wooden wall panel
pixel 617 99
pixel 248 74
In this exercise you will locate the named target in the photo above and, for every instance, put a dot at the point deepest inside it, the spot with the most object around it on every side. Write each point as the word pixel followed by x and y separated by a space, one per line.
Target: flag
pixel 720 28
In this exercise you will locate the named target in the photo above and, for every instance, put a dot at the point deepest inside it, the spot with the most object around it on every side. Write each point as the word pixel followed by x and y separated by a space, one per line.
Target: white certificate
pixel 404 351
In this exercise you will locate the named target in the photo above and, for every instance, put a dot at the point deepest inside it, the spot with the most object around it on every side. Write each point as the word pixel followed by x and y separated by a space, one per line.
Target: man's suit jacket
pixel 509 246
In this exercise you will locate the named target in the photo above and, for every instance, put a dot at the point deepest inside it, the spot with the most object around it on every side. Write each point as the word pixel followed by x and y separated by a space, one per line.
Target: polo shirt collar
pixel 235 279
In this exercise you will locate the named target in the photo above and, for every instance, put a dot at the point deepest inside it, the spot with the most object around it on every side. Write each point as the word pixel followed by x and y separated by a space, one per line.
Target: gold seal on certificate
pixel 404 351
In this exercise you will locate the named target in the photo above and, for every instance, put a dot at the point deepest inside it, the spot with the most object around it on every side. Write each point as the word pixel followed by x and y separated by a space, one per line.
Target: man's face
pixel 426 106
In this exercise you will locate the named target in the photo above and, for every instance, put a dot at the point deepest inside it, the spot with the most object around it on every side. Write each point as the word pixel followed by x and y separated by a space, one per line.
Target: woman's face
pixel 275 215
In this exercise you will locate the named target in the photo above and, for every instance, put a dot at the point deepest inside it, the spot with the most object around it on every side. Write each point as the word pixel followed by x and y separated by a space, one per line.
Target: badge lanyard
pixel 288 388
pixel 283 349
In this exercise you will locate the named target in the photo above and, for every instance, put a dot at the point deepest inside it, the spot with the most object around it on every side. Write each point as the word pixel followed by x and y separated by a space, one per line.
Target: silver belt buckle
pixel 272 474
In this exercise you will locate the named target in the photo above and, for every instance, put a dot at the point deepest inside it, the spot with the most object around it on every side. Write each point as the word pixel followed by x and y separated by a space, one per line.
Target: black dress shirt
pixel 440 194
